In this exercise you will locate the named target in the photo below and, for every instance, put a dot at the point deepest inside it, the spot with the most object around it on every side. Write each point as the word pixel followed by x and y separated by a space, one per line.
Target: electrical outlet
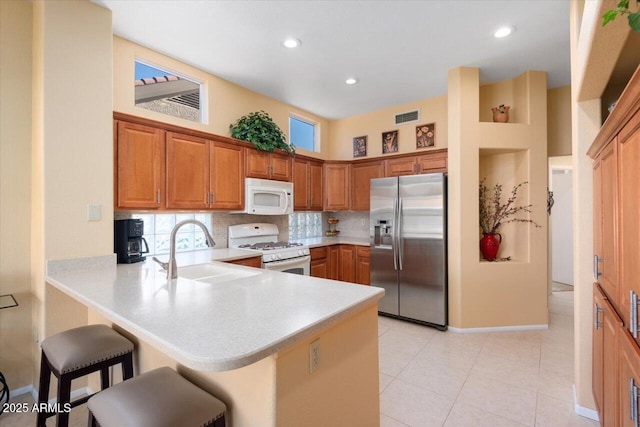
pixel 314 355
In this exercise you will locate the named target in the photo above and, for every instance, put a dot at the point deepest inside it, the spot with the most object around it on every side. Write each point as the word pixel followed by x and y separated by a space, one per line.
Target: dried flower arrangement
pixel 494 213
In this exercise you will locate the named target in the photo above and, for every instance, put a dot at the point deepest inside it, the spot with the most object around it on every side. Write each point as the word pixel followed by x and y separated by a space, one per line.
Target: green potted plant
pixel 493 213
pixel 622 8
pixel 259 129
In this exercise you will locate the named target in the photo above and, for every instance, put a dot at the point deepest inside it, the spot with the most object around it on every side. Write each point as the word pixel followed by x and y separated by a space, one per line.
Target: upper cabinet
pixel 361 176
pixel 226 176
pixel 264 165
pixel 187 172
pixel 139 166
pixel 307 184
pixel 337 185
pixel 427 162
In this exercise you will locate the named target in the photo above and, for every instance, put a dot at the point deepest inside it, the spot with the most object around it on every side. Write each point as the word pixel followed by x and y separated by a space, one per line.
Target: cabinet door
pixel 361 175
pixel 257 164
pixel 316 184
pixel 187 172
pixel 605 175
pixel 399 167
pixel 140 166
pixel 255 262
pixel 280 167
pixel 301 193
pixel 347 271
pixel 336 187
pixel 362 265
pixel 226 176
pixel 629 210
pixel 432 163
pixel 629 379
pixel 334 262
pixel 319 268
pixel 607 328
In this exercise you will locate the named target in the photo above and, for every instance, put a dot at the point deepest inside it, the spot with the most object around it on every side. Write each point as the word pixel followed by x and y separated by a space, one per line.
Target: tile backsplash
pixel 352 224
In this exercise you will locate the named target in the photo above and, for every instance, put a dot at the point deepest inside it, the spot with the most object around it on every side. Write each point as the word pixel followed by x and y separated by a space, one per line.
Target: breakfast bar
pixel 241 333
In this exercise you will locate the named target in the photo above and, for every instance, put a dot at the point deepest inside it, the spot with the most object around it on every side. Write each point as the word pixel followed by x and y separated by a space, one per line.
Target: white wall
pixel 561 224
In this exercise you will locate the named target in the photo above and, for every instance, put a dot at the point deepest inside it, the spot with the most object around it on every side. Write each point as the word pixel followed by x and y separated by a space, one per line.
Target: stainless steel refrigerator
pixel 408 230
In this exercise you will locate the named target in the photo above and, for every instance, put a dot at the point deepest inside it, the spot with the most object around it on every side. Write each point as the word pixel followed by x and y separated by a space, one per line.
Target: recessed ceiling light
pixel 291 43
pixel 351 81
pixel 504 31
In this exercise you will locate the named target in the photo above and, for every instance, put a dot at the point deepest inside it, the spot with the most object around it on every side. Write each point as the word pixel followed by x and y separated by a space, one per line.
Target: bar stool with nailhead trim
pixel 158 398
pixel 75 353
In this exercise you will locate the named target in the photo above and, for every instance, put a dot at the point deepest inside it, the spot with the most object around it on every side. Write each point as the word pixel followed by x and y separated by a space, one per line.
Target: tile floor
pixel 503 379
pixel 433 378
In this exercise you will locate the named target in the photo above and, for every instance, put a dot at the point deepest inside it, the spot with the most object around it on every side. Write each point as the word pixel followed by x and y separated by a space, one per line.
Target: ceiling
pixel 399 50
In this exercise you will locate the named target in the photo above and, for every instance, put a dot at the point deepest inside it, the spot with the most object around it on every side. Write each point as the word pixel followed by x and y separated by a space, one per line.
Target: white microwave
pixel 267 197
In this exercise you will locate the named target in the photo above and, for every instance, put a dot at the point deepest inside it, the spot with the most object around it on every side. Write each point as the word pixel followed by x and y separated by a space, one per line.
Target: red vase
pixel 489 245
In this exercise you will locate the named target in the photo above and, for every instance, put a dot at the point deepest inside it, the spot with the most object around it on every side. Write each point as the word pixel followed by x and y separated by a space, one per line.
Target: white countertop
pixel 209 326
pixel 314 242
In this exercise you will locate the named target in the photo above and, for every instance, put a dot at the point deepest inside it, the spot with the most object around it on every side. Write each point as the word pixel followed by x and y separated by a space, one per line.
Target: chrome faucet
pixel 171 266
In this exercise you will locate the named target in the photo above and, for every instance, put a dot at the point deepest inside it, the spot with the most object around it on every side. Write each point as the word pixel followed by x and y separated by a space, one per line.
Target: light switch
pixel 94 212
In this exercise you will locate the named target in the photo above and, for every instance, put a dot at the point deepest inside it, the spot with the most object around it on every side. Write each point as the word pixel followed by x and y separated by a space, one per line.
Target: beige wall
pixel 499 294
pixel 594 52
pixel 432 110
pixel 227 101
pixel 559 121
pixel 16 352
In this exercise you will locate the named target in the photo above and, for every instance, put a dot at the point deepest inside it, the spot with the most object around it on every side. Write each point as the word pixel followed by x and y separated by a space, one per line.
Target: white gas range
pixel 287 257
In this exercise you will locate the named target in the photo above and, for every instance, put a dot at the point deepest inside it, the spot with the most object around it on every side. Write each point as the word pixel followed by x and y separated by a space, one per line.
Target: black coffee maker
pixel 128 240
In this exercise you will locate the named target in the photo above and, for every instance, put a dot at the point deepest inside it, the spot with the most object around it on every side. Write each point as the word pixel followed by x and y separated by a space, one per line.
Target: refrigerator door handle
pixel 400 239
pixel 394 242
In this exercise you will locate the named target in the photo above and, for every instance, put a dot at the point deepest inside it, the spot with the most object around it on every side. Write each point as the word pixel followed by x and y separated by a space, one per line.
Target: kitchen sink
pixel 214 273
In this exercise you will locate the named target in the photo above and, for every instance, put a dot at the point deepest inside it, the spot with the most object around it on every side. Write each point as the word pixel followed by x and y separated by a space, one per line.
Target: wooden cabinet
pixel 139 166
pixel 336 186
pixel 428 162
pixel 187 172
pixel 363 276
pixel 347 263
pixel 319 262
pixel 605 236
pixel 307 184
pixel 334 261
pixel 226 180
pixel 264 165
pixel 616 194
pixel 628 209
pixel 607 328
pixel 255 262
pixel 361 175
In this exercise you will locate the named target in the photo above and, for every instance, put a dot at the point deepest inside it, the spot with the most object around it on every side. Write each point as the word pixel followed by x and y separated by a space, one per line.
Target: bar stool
pixel 158 398
pixel 75 353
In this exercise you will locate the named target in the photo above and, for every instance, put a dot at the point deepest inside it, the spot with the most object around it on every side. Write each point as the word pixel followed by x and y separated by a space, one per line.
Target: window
pixel 167 93
pixel 157 232
pixel 302 133
pixel 304 225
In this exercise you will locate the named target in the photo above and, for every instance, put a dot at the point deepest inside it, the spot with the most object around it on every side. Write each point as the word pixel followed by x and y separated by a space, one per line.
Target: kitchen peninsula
pixel 242 334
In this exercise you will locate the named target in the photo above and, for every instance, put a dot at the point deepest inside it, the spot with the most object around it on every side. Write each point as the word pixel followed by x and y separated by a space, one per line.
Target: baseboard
pixel 581 410
pixel 30 389
pixel 498 329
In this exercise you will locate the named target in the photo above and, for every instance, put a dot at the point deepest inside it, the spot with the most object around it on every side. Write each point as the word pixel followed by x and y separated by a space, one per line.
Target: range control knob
pixel 279 256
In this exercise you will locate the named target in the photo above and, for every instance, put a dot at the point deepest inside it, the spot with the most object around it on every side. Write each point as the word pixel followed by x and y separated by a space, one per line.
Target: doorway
pixel 561 225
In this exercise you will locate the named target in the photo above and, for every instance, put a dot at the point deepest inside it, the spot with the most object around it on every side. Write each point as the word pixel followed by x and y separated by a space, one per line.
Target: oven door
pixel 300 265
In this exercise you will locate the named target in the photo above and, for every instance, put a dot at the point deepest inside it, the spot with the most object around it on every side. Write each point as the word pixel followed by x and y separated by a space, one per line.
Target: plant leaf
pixel 608 16
pixel 634 21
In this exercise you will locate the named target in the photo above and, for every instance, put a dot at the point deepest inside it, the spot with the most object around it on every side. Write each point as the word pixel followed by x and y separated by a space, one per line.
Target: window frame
pixel 311 122
pixel 203 99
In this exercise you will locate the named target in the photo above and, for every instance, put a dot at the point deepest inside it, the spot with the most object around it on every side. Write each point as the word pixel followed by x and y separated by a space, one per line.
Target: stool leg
pixel 43 390
pixel 104 378
pixel 127 367
pixel 64 396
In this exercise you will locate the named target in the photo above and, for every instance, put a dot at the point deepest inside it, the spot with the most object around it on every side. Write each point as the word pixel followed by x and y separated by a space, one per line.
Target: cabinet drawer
pixel 363 251
pixel 318 253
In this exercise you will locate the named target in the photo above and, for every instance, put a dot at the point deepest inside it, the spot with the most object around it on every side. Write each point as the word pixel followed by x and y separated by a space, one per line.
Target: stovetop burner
pixel 269 246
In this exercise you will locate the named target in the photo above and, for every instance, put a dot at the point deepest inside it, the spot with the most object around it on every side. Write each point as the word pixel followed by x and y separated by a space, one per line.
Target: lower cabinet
pixel 248 262
pixel 628 385
pixel 348 263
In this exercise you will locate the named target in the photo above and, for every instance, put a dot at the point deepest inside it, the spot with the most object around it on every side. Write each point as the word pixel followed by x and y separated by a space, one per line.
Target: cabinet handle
pixel 633 402
pixel 633 314
pixel 596 311
pixel 158 196
pixel 596 273
pixel 213 197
